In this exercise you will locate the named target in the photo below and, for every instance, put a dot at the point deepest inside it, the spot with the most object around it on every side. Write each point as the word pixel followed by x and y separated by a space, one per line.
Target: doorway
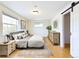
pixel 66 30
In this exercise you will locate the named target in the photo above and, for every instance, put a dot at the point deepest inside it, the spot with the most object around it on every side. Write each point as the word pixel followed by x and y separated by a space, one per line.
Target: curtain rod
pixel 71 7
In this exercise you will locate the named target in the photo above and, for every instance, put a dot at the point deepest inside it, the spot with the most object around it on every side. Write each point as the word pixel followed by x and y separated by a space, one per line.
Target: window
pixel 38 28
pixel 38 25
pixel 9 24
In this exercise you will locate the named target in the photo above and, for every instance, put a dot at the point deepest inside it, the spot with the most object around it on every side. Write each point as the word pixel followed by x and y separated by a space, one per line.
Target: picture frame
pixel 23 24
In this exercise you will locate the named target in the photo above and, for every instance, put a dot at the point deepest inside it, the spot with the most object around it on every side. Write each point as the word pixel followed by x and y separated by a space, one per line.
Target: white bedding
pixel 36 41
pixel 21 43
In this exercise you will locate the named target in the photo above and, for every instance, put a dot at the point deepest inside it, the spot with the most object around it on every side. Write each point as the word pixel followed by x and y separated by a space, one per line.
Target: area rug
pixel 33 53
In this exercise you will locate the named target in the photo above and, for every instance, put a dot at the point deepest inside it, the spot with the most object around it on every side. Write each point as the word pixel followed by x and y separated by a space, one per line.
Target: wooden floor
pixel 56 50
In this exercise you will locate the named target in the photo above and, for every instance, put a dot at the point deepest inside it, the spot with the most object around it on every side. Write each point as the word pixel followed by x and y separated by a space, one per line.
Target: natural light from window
pixel 38 25
pixel 9 24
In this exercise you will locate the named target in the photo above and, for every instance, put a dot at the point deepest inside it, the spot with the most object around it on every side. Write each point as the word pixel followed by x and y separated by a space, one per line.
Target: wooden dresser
pixel 7 48
pixel 54 37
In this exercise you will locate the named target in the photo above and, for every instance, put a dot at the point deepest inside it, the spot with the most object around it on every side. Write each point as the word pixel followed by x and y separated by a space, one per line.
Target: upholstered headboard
pixel 17 32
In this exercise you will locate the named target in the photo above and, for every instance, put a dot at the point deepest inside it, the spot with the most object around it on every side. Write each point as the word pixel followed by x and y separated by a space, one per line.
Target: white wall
pixel 59 28
pixel 41 31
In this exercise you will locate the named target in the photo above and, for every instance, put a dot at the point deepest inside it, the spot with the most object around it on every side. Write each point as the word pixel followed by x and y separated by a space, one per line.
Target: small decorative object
pixel 27 31
pixel 49 28
pixel 55 24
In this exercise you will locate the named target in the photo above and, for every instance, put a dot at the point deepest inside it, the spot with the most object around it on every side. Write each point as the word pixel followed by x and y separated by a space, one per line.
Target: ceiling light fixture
pixel 35 10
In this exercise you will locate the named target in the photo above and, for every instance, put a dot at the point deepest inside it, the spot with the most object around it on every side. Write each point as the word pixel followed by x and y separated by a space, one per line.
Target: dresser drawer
pixel 56 38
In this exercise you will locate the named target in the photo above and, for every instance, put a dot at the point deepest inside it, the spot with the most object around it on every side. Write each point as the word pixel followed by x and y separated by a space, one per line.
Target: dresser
pixel 7 48
pixel 54 37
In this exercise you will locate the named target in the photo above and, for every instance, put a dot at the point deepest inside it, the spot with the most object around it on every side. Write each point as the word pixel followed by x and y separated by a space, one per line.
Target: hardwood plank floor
pixel 57 51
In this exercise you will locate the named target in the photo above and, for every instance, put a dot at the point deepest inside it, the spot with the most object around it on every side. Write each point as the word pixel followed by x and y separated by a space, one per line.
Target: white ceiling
pixel 48 9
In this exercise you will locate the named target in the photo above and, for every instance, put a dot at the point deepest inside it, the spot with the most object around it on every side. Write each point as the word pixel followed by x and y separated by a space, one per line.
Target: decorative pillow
pixel 19 37
pixel 10 37
pixel 25 35
pixel 15 37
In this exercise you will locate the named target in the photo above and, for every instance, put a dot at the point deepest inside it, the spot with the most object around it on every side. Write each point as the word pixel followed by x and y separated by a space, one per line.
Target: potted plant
pixel 49 28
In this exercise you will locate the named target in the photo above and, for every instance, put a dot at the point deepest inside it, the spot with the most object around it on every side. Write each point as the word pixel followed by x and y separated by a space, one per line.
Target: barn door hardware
pixel 71 7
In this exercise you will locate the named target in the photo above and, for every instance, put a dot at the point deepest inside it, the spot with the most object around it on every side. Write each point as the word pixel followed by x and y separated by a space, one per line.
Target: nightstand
pixel 7 48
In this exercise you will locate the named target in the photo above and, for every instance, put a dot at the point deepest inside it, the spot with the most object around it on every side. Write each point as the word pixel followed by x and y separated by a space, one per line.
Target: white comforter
pixel 21 43
pixel 36 41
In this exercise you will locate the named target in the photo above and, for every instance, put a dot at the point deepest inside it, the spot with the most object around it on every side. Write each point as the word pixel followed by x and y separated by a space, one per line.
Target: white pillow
pixel 15 37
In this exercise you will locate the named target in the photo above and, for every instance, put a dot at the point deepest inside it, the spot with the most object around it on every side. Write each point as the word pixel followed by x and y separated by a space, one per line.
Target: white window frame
pixel 5 23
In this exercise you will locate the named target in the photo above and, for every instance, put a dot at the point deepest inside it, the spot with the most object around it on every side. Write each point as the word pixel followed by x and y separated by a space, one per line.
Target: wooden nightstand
pixel 7 48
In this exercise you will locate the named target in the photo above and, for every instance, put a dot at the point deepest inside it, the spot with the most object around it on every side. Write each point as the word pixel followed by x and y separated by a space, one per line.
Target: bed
pixel 36 41
pixel 25 41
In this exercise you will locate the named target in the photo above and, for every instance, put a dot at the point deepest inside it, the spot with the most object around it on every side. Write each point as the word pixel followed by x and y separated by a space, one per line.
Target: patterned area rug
pixel 33 53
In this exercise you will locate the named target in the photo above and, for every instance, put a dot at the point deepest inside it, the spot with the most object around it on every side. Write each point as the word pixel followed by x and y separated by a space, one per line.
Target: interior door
pixel 74 42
